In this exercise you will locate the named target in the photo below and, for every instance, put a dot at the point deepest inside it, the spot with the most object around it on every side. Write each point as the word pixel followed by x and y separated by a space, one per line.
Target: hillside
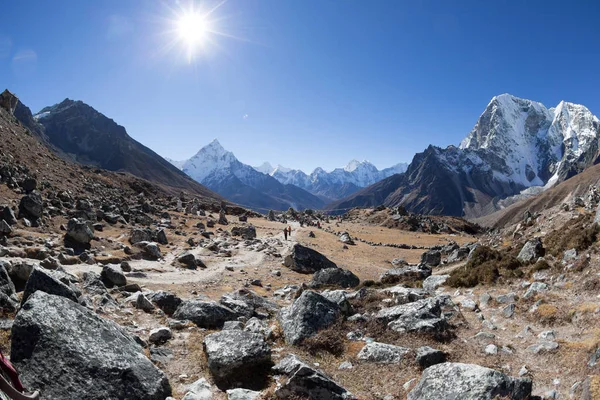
pixel 89 137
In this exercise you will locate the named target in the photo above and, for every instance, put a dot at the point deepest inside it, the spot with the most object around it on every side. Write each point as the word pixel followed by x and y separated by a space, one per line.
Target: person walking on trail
pixel 285 233
pixel 290 231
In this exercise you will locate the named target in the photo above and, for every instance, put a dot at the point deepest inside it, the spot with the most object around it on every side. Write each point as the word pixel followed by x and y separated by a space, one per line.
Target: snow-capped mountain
pixel 516 144
pixel 220 170
pixel 336 184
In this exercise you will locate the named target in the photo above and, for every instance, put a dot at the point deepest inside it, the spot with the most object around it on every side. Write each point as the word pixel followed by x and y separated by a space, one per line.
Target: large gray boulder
pixel 432 258
pixel 310 313
pixel 383 353
pixel 168 302
pixel 306 382
pixel 452 381
pixel 113 276
pixel 48 282
pixel 31 206
pixel 205 314
pixel 434 281
pixel 140 235
pixel 307 261
pixel 68 352
pixel 406 274
pixel 531 251
pixel 420 316
pixel 238 359
pixel 79 232
pixel 334 277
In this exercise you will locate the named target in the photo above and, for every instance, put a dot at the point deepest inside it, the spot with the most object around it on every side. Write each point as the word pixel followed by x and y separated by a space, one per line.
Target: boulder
pixel 449 381
pixel 190 261
pixel 403 295
pixel 112 276
pixel 306 382
pixel 140 235
pixel 535 288
pixel 31 206
pixel 531 251
pixel 434 281
pixel 246 232
pixel 334 277
pixel 68 352
pixel 79 232
pixel 5 228
pixel 19 273
pixel 406 274
pixel 150 250
pixel 242 394
pixel 420 316
pixel 160 335
pixel 346 239
pixel 432 258
pixel 48 282
pixel 142 303
pixel 168 302
pixel 9 215
pixel 161 237
pixel 428 356
pixel 199 390
pixel 307 261
pixel 205 314
pixel 238 359
pixel 382 353
pixel 222 218
pixel 306 316
pixel 458 254
pixel 340 298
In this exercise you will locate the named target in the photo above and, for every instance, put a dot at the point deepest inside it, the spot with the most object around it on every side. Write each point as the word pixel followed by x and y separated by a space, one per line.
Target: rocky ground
pixel 112 288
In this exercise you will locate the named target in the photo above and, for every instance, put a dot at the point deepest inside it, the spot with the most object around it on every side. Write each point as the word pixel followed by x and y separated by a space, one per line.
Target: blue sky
pixel 302 83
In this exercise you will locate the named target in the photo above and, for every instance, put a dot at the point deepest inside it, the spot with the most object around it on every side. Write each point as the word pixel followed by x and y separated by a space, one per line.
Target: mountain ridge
pixel 515 144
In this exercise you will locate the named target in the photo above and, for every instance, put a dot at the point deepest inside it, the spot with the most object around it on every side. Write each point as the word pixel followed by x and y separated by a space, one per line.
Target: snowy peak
pixel 265 168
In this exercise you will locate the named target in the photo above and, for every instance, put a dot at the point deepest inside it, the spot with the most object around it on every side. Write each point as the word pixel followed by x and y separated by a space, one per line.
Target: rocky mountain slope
pixel 221 171
pixel 516 144
pixel 334 185
pixel 88 137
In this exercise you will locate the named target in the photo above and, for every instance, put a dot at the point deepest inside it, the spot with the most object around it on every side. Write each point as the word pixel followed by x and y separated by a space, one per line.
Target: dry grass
pixel 579 233
pixel 485 267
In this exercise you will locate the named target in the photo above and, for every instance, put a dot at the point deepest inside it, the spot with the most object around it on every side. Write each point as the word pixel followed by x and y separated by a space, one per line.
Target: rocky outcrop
pixel 48 282
pixel 60 347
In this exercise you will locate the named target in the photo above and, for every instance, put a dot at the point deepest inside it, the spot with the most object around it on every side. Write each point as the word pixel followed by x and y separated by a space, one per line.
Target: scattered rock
pixel 47 281
pixel 434 281
pixel 346 239
pixel 142 303
pixel 246 232
pixel 531 251
pixel 238 359
pixel 199 390
pixel 242 394
pixel 410 273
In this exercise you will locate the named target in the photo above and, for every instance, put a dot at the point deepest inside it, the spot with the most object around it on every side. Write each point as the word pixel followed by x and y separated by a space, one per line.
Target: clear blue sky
pixel 320 82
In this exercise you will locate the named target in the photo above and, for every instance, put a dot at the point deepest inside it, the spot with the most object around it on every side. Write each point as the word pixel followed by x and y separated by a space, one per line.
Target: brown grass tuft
pixel 485 267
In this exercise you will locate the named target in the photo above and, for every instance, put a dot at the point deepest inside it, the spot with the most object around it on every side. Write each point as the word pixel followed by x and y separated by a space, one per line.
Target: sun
pixel 193 28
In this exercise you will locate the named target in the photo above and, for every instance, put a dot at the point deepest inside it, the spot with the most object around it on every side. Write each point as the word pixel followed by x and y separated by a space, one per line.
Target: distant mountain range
pixel 336 184
pixel 516 144
pixel 279 188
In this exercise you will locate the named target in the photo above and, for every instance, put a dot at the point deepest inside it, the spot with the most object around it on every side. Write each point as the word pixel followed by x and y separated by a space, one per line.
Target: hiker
pixel 319 224
pixel 290 231
pixel 285 233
